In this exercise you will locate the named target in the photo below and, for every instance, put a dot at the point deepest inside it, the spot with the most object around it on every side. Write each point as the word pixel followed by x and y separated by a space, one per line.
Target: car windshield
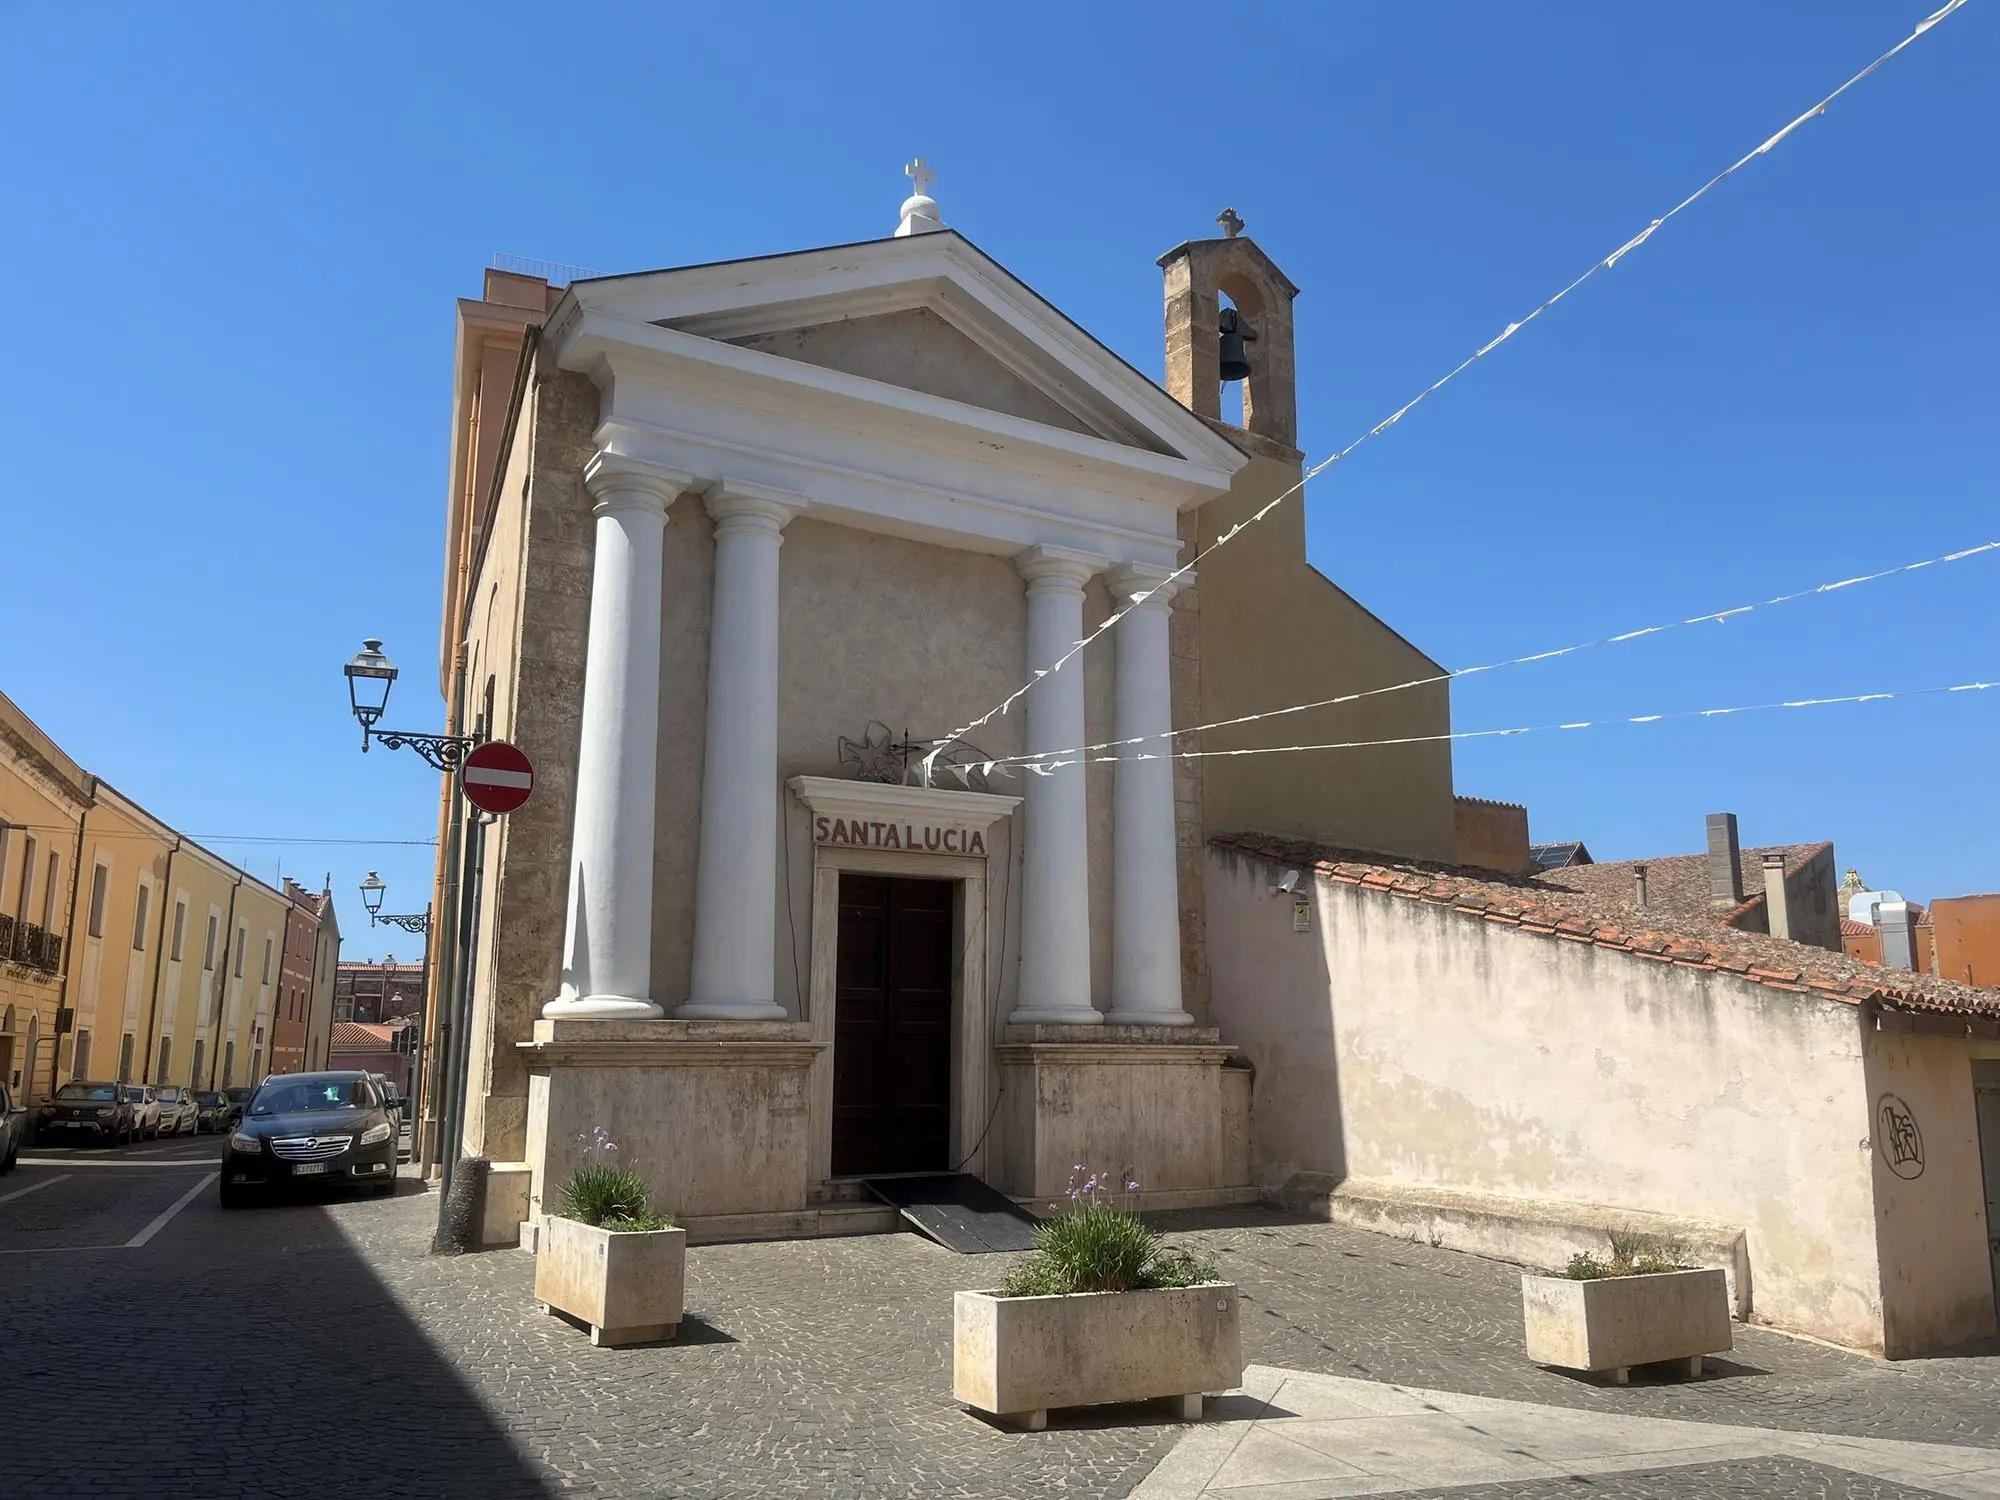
pixel 311 1093
pixel 107 1092
pixel 137 1096
pixel 209 1100
pixel 170 1096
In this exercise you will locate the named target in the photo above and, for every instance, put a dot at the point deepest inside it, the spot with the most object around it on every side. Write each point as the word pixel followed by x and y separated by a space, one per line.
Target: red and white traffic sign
pixel 496 777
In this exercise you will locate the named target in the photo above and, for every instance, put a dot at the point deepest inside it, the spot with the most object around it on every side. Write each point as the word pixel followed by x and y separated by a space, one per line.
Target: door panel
pixel 1988 1100
pixel 892 1026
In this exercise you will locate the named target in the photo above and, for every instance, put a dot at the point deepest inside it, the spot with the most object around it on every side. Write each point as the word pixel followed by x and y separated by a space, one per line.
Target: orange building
pixel 1966 930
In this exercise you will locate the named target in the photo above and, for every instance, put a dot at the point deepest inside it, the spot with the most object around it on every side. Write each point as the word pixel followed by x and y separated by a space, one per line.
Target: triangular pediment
pixel 929 313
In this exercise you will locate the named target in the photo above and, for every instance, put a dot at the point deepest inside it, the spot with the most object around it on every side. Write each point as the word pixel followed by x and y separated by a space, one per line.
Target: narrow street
pixel 158 1346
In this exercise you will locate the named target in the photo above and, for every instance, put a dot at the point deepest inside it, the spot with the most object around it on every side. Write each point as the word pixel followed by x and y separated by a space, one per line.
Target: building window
pixel 180 928
pixel 80 1065
pixel 22 909
pixel 257 1065
pixel 139 918
pixel 166 1051
pixel 6 848
pixel 100 887
pixel 49 892
pixel 194 1073
pixel 229 1063
pixel 125 1058
pixel 267 958
pixel 242 942
pixel 208 958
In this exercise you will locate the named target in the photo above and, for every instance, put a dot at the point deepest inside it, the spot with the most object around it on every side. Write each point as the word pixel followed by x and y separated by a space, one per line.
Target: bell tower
pixel 1198 275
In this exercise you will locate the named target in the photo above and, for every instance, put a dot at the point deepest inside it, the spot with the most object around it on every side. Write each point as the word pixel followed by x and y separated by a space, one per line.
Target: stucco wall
pixel 919 350
pixel 1404 1041
pixel 1492 835
pixel 1968 939
pixel 1274 632
pixel 1937 1277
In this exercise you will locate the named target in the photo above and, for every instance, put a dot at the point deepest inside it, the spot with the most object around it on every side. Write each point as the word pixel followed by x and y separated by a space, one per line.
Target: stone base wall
pixel 1143 1103
pixel 713 1114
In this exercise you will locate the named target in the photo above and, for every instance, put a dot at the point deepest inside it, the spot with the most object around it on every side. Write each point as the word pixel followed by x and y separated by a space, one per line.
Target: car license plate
pixel 310 1169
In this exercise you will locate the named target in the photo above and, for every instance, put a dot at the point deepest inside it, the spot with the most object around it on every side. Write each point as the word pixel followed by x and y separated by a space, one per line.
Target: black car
pixel 218 1112
pixel 307 1128
pixel 88 1112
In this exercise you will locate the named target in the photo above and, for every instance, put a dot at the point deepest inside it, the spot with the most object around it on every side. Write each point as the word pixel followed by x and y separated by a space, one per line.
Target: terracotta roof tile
pixel 1537 905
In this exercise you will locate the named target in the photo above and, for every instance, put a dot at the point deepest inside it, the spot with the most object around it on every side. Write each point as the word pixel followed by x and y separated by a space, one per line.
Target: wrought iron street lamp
pixel 372 891
pixel 370 675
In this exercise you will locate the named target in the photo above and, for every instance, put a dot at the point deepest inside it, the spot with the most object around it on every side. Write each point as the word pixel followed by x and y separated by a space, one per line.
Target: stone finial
pixel 1231 224
pixel 920 210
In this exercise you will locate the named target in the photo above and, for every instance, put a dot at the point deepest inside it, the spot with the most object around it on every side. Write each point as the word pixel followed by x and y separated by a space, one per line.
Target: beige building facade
pixel 895 483
pixel 43 797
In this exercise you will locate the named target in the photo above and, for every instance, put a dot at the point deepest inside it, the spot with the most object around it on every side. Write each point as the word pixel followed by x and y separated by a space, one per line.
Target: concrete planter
pixel 1016 1357
pixel 627 1287
pixel 1616 1322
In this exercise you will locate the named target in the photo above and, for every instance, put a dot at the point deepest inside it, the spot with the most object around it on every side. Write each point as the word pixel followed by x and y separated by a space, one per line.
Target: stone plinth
pixel 1142 1102
pixel 1616 1322
pixel 713 1114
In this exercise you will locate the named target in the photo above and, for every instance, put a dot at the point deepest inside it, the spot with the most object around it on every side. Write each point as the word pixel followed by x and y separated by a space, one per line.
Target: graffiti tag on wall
pixel 1897 1137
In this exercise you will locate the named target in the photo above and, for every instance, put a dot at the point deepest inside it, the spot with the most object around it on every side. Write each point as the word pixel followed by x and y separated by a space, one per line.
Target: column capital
pixel 742 505
pixel 618 481
pixel 1055 567
pixel 1128 579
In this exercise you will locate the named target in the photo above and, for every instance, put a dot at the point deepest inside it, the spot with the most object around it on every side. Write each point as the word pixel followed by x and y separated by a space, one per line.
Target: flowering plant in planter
pixel 607 1258
pixel 609 1194
pixel 1102 1310
pixel 1092 1245
pixel 1645 1305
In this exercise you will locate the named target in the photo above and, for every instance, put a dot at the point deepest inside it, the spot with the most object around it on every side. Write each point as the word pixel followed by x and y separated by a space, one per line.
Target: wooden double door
pixel 892 1026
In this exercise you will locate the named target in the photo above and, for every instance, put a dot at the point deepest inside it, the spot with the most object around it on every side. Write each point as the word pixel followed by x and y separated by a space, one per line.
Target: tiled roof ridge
pixel 1525 903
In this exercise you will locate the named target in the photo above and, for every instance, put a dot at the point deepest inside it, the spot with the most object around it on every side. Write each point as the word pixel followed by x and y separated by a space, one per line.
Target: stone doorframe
pixel 974 1074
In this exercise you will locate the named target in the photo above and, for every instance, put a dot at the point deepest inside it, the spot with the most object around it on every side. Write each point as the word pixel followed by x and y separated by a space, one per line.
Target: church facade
pixel 731 548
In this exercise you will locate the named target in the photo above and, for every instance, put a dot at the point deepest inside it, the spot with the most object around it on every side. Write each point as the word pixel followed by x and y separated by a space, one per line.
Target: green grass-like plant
pixel 609 1196
pixel 1632 1254
pixel 1095 1247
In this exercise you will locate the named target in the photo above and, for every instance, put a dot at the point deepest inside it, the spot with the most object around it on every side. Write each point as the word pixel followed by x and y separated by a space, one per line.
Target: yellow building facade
pixel 127 950
pixel 43 797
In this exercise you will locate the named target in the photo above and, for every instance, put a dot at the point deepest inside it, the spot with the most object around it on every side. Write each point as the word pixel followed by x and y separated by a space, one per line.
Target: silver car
pixel 145 1110
pixel 13 1127
pixel 179 1113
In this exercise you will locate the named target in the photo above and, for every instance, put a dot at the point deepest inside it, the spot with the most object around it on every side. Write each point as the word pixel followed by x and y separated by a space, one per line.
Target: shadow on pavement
pixel 247 1353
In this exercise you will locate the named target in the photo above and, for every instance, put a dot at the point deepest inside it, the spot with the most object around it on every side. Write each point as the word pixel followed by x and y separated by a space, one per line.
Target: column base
pixel 601 1008
pixel 1148 1018
pixel 730 1010
pixel 1057 1015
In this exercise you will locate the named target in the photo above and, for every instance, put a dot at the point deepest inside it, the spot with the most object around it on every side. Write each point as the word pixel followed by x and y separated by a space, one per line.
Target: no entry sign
pixel 496 778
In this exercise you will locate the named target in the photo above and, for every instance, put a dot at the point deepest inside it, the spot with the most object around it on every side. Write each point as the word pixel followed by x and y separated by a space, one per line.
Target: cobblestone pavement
pixel 1759 1477
pixel 319 1346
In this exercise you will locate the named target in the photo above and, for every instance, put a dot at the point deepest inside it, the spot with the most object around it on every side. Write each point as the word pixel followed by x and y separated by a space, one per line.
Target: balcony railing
pixel 25 943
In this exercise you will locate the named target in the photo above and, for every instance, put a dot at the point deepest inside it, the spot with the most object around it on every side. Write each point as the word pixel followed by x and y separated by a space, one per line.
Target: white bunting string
pixel 1050 767
pixel 1719 616
pixel 939 746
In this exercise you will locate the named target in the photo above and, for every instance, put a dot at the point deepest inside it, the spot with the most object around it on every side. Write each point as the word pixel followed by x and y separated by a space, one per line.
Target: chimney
pixel 1774 896
pixel 1893 918
pixel 1639 885
pixel 1725 861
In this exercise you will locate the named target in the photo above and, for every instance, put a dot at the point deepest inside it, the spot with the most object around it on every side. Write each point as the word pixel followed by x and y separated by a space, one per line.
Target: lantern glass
pixel 372 891
pixel 370 675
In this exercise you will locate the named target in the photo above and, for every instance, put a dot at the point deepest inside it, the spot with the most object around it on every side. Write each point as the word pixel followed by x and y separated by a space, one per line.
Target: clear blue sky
pixel 235 235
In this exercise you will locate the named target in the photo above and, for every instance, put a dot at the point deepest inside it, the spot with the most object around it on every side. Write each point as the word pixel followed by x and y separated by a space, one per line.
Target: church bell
pixel 1234 331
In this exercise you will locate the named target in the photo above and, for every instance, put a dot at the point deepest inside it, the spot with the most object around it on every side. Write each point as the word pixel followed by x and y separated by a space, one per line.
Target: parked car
pixel 179 1114
pixel 308 1128
pixel 13 1127
pixel 145 1110
pixel 240 1097
pixel 89 1112
pixel 215 1111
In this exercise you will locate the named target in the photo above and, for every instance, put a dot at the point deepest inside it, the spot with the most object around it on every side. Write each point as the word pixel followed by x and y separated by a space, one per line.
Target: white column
pixel 1054 984
pixel 736 867
pixel 608 948
pixel 1145 880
